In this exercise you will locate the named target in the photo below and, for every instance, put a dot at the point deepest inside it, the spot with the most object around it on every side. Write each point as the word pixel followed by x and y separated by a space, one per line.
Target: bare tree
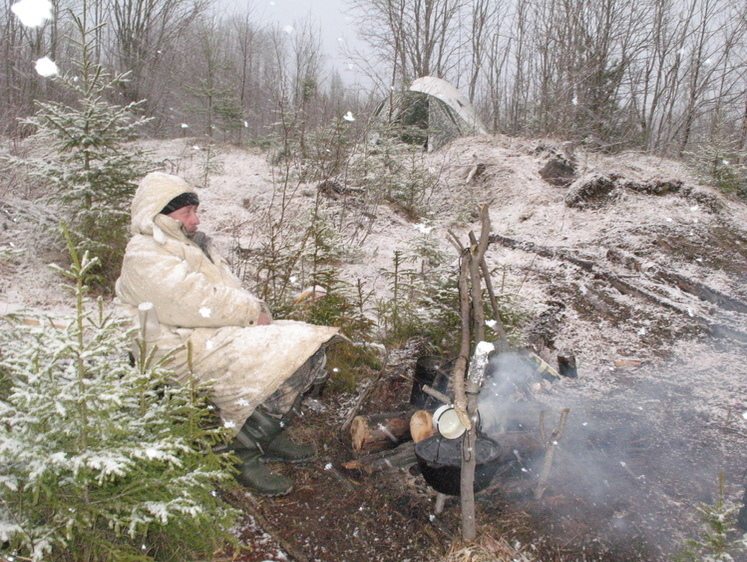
pixel 584 47
pixel 712 43
pixel 414 37
pixel 480 16
pixel 145 35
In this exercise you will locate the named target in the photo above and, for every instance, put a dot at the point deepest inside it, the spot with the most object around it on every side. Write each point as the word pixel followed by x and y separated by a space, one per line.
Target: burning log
pixel 380 431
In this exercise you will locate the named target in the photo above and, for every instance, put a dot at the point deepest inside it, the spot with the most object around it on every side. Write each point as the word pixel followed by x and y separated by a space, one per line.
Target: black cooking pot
pixel 440 461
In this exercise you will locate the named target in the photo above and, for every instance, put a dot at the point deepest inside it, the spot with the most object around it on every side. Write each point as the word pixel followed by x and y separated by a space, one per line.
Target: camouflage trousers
pixel 288 396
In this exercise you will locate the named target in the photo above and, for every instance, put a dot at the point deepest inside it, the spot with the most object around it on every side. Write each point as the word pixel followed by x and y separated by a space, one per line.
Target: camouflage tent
pixel 431 112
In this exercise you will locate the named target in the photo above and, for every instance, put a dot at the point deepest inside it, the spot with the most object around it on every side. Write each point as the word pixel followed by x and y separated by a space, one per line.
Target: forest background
pixel 663 76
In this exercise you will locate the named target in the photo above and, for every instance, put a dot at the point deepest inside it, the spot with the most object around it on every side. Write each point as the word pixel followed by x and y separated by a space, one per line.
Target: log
pixel 628 288
pixel 380 431
pixel 524 446
pixel 421 425
pixel 403 456
pixel 692 286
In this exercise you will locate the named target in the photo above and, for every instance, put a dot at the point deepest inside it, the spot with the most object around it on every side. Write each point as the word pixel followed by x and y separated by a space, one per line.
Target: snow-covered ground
pixel 668 369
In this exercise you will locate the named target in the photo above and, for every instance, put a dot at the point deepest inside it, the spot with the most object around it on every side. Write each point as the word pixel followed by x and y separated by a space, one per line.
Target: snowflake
pixel 32 13
pixel 205 312
pixel 46 67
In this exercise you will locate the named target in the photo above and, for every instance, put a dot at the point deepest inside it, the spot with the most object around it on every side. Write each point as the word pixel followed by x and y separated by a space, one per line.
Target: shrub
pixel 717 541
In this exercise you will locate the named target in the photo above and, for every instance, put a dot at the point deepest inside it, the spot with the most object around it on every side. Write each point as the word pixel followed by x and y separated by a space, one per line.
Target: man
pixel 189 304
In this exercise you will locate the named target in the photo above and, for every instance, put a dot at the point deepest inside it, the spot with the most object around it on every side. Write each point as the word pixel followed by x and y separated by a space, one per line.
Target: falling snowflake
pixel 184 126
pixel 242 402
pixel 205 312
pixel 348 117
pixel 288 29
pixel 229 424
pixel 46 67
pixel 32 13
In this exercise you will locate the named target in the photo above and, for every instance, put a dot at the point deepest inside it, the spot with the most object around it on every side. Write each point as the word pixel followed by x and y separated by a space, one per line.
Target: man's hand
pixel 263 320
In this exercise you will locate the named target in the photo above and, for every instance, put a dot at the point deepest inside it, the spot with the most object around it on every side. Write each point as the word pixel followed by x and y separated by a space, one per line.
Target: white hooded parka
pixel 198 301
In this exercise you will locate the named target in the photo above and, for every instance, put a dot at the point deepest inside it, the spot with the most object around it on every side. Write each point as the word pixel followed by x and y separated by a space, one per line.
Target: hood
pixel 154 192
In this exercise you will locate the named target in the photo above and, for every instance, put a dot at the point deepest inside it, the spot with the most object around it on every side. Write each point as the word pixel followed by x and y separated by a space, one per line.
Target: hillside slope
pixel 635 270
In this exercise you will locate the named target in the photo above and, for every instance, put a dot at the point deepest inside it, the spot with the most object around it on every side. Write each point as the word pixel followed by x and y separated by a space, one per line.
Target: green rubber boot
pixel 269 432
pixel 257 433
pixel 284 449
pixel 255 475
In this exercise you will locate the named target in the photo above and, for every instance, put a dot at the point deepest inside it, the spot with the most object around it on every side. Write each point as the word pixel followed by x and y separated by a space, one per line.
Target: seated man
pixel 186 300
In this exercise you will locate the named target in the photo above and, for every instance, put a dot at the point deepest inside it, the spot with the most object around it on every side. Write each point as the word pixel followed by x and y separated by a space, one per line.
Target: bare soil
pixel 647 290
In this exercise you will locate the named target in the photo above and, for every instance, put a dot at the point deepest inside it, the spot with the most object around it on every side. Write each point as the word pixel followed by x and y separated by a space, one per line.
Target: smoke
pixel 508 379
pixel 628 469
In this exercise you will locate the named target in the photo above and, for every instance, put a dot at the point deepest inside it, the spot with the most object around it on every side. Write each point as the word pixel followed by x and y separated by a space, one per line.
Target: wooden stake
pixel 549 454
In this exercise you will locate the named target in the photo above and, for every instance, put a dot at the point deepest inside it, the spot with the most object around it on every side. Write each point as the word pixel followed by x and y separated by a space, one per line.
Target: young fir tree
pixel 101 459
pixel 87 166
pixel 719 537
